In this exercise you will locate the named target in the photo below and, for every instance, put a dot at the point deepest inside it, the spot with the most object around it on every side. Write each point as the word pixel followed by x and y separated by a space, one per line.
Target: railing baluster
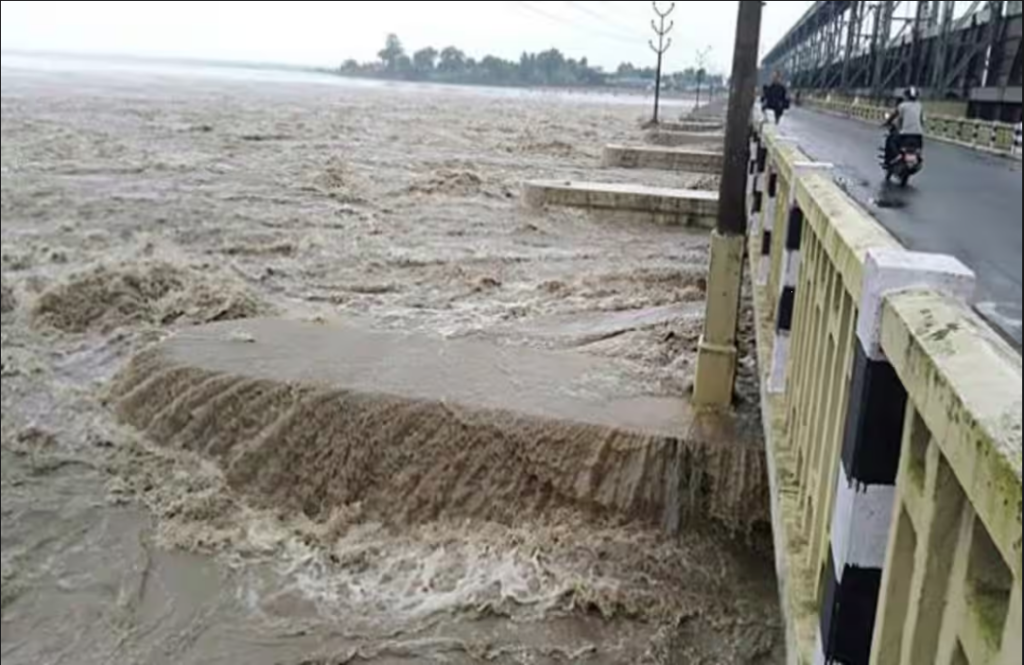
pixel 936 548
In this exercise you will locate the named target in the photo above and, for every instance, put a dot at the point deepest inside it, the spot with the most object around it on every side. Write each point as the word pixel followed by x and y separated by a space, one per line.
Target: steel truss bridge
pixel 961 52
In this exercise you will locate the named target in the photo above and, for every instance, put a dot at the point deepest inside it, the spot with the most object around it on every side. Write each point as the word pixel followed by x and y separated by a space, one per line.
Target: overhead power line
pixel 610 13
pixel 537 11
pixel 614 6
pixel 620 26
pixel 603 18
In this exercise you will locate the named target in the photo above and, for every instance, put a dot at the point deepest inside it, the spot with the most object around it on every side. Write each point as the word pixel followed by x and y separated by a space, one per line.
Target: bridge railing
pixel 883 396
pixel 951 592
pixel 995 137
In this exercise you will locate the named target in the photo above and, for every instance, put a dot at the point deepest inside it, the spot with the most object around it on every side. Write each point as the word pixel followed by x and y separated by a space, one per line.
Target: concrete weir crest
pixel 416 428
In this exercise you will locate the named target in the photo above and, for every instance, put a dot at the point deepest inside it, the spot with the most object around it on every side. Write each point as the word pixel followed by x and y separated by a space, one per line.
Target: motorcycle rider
pixel 908 120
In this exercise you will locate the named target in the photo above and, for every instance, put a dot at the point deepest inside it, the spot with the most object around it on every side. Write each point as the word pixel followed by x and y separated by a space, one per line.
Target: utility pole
pixel 702 71
pixel 732 217
pixel 664 44
pixel 717 356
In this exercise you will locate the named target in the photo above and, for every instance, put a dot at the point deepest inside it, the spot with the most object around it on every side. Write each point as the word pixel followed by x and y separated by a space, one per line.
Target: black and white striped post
pixel 764 261
pixel 866 483
pixel 764 265
pixel 1016 152
pixel 759 164
pixel 788 280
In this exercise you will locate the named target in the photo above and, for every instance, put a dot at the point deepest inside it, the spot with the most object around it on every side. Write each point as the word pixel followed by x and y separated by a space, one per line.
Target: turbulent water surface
pixel 138 201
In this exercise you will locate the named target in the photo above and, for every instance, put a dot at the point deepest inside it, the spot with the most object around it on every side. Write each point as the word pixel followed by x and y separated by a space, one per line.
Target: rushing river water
pixel 138 199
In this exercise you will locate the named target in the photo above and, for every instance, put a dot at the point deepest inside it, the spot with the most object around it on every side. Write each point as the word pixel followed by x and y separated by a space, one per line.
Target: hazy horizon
pixel 324 34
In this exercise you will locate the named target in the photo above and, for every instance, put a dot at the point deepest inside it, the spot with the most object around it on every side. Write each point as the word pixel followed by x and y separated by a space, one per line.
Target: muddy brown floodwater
pixel 138 202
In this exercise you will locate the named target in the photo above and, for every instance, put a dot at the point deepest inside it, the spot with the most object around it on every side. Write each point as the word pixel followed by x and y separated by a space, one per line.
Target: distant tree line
pixel 548 69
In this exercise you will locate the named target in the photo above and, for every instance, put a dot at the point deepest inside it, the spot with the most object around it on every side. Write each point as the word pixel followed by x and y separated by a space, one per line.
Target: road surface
pixel 965 203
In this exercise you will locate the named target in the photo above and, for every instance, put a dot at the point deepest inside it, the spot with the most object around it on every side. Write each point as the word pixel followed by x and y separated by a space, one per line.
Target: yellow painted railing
pixel 782 157
pixel 938 583
pixel 952 586
pixel 982 135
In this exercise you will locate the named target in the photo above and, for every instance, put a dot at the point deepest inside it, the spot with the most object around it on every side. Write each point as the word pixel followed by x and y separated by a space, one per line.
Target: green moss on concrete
pixel 966 384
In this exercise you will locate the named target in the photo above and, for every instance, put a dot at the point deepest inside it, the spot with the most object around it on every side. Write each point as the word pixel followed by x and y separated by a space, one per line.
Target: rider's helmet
pixel 912 94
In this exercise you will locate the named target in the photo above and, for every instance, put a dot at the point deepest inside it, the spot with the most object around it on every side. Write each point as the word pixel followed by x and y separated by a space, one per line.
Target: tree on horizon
pixel 548 68
pixel 392 53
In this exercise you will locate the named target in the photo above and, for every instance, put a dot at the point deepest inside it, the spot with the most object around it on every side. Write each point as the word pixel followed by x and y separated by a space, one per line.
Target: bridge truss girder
pixel 964 51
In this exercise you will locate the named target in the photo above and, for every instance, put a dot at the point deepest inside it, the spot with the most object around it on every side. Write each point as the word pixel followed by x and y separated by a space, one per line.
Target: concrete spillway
pixel 315 417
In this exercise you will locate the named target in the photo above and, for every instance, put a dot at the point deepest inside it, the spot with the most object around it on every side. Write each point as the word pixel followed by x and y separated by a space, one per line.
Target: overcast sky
pixel 329 32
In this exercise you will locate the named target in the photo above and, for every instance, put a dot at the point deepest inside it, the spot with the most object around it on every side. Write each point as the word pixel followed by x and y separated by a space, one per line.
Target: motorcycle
pixel 900 160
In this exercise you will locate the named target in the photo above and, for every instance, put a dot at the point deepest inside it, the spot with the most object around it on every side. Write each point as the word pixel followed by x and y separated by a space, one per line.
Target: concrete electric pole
pixel 717 357
pixel 664 44
pixel 702 71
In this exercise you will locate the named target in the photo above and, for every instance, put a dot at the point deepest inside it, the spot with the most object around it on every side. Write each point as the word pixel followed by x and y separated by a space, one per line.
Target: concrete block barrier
pixel 672 139
pixel 664 159
pixel 669 206
pixel 693 126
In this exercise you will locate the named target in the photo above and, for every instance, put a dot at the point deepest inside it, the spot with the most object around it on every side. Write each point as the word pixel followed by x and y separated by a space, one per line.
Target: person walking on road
pixel 776 98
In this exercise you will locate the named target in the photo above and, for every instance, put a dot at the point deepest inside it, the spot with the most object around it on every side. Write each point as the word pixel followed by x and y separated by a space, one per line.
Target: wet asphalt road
pixel 964 203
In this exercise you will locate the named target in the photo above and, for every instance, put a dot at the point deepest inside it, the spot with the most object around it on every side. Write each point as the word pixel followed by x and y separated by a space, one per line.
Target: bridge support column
pixel 866 487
